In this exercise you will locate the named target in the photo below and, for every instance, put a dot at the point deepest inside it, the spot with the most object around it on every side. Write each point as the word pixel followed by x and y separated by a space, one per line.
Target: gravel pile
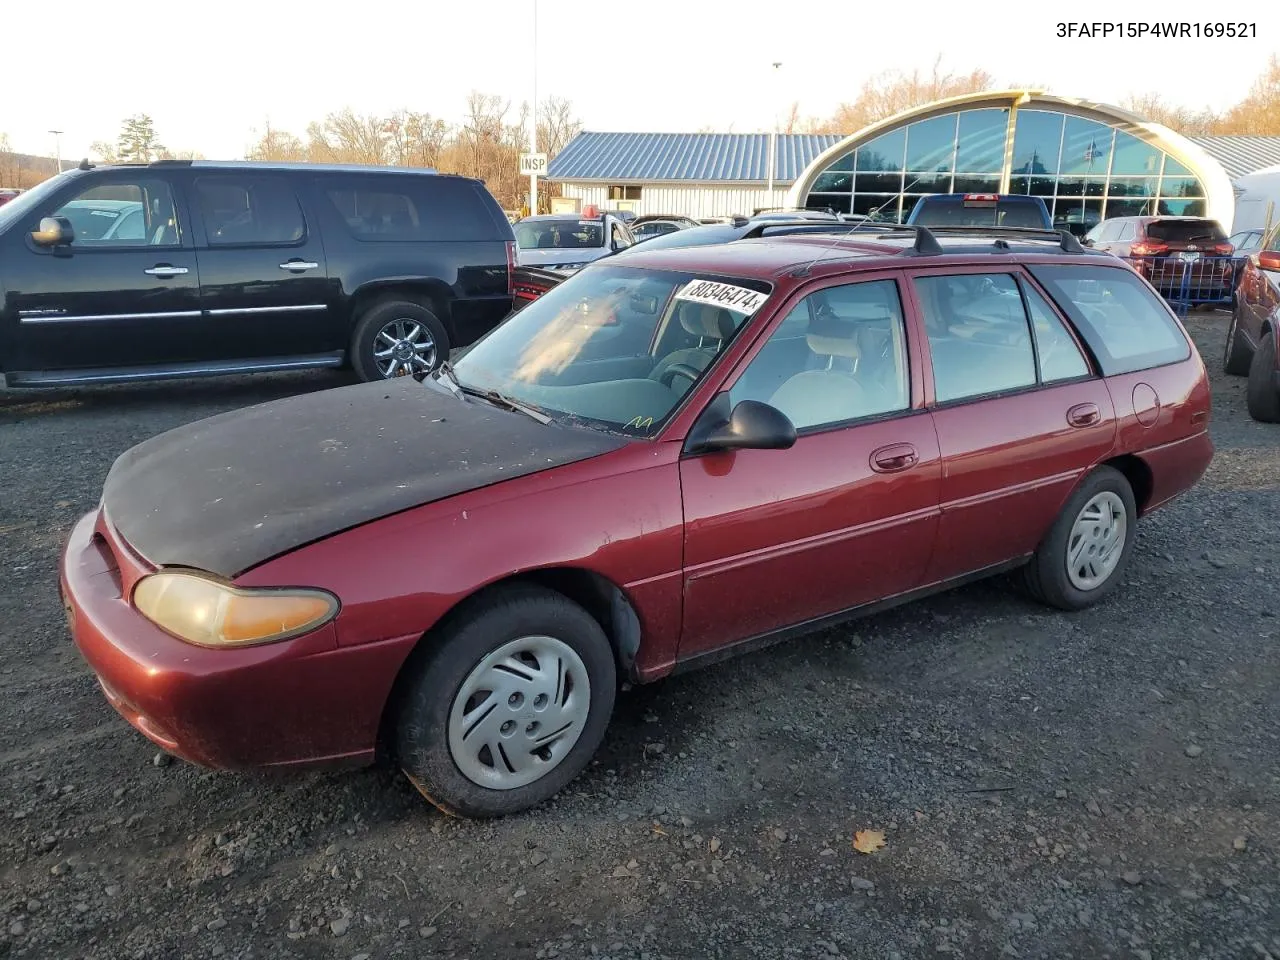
pixel 1099 785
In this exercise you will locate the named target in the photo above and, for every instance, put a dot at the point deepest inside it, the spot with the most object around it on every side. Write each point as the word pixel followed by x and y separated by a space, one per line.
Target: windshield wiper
pixel 509 403
pixel 445 375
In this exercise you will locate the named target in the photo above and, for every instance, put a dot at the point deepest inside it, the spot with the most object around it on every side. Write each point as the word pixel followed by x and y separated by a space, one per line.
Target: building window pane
pixel 1129 208
pixel 834 182
pixel 973 183
pixel 1134 158
pixel 879 183
pixel 980 142
pixel 1181 208
pixel 845 163
pixel 868 203
pixel 1078 216
pixel 1082 186
pixel 1086 147
pixel 1180 187
pixel 883 153
pixel 1036 142
pixel 928 182
pixel 931 144
pixel 1132 187
pixel 1172 168
pixel 836 202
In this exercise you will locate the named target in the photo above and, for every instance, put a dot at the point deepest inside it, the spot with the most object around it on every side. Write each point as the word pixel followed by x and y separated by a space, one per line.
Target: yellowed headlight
pixel 210 613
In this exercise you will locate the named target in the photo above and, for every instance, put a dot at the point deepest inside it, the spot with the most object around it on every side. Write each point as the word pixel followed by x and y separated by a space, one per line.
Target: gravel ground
pixel 1099 785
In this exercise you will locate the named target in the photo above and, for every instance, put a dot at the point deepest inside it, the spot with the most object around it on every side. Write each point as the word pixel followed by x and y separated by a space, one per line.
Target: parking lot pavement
pixel 1105 784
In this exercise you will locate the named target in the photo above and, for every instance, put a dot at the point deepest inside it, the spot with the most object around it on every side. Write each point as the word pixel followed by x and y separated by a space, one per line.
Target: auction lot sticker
pixel 738 299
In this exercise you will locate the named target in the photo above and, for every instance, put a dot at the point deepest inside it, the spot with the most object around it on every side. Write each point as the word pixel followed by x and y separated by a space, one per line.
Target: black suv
pixel 182 268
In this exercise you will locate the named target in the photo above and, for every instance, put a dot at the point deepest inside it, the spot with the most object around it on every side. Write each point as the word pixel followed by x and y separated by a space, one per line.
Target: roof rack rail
pixel 1065 238
pixel 800 226
pixel 170 163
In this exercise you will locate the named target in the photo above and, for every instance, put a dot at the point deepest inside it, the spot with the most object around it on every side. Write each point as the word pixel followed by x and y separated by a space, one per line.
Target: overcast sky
pixel 209 74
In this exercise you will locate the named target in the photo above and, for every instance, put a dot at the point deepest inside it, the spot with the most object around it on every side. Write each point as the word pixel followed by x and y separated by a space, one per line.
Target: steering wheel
pixel 679 370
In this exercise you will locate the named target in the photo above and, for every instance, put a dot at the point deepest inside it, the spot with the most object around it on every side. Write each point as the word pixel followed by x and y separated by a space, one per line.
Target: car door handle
pixel 895 457
pixel 165 270
pixel 297 266
pixel 1084 415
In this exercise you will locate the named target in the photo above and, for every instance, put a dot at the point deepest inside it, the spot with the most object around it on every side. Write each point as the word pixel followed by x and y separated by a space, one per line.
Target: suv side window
pixel 409 207
pixel 839 355
pixel 978 335
pixel 1126 231
pixel 619 241
pixel 1057 353
pixel 242 211
pixel 1126 325
pixel 123 213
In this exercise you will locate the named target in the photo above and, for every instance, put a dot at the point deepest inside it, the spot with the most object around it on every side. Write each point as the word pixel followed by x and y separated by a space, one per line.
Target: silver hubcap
pixel 402 347
pixel 519 713
pixel 1096 541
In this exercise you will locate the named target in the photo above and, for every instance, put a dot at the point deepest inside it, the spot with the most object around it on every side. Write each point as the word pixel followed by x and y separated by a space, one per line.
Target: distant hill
pixel 25 170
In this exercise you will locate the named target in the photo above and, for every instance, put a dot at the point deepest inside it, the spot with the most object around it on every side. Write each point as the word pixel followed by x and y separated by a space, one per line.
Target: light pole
pixel 533 119
pixel 773 135
pixel 57 147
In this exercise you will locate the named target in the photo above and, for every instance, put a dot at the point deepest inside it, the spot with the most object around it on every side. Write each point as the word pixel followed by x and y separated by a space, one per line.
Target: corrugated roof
pixel 685 156
pixel 1241 155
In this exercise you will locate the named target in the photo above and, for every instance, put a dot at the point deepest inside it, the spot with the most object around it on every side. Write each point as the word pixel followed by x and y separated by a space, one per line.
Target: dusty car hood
pixel 230 492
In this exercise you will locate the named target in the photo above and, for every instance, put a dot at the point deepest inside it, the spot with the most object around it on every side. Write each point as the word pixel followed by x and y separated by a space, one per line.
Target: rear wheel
pixel 1263 393
pixel 508 706
pixel 397 338
pixel 1235 358
pixel 1083 558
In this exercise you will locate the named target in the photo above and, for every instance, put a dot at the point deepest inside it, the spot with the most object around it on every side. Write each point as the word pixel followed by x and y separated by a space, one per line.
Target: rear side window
pixel 1124 323
pixel 406 207
pixel 1185 231
pixel 249 210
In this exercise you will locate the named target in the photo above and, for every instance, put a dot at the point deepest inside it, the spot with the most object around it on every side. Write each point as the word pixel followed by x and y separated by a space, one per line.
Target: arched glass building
pixel 1088 161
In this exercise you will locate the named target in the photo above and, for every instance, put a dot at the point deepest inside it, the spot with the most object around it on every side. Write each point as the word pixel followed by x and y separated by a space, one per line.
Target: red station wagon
pixel 656 462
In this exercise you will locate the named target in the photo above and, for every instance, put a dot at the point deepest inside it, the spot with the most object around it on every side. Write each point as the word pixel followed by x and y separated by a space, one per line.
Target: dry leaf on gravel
pixel 868 841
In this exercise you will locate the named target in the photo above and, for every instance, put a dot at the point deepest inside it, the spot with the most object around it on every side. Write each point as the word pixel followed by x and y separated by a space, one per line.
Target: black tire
pixel 1046 577
pixel 1236 356
pixel 434 679
pixel 386 312
pixel 1263 393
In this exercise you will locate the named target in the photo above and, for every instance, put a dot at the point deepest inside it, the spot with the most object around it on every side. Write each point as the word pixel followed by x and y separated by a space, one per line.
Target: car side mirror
pixel 1269 260
pixel 751 425
pixel 54 232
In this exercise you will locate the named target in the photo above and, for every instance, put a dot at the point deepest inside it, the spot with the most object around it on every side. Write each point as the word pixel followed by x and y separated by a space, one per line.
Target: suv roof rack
pixel 170 163
pixel 1065 238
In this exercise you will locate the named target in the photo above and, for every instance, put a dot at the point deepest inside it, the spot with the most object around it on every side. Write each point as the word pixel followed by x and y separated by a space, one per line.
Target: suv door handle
pixel 1084 415
pixel 297 266
pixel 895 457
pixel 165 270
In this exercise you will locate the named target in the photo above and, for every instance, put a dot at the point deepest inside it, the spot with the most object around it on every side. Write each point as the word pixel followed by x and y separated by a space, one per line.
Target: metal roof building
pixel 713 175
pixel 692 174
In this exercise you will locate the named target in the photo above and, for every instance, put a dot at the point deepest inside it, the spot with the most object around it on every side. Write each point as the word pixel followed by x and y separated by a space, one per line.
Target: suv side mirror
pixel 751 425
pixel 54 232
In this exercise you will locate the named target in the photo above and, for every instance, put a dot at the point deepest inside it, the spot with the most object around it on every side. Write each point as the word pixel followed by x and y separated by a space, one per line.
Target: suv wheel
pixel 396 338
pixel 507 705
pixel 1263 393
pixel 1088 546
pixel 1235 358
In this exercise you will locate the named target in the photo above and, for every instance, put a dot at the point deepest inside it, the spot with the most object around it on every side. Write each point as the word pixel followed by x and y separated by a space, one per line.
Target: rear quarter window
pixel 406 208
pixel 1125 324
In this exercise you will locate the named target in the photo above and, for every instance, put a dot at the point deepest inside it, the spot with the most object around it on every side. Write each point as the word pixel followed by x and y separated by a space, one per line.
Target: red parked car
pixel 655 462
pixel 1255 327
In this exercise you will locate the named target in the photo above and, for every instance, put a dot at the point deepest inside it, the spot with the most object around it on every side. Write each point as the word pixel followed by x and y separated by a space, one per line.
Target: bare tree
pixel 277 145
pixel 556 125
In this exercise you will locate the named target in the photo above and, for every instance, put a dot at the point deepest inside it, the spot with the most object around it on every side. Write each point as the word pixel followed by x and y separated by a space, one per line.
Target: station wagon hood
pixel 230 492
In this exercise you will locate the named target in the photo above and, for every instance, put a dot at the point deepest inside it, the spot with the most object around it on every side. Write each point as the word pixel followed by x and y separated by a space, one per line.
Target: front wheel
pixel 1084 555
pixel 1263 391
pixel 397 338
pixel 508 705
